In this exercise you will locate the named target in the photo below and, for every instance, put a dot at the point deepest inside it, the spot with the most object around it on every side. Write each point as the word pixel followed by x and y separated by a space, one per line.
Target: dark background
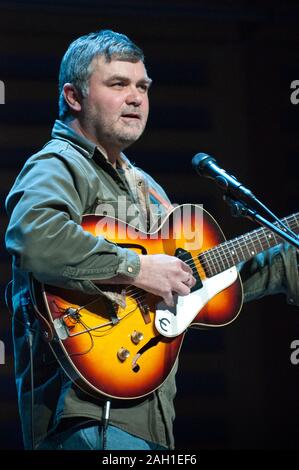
pixel 222 73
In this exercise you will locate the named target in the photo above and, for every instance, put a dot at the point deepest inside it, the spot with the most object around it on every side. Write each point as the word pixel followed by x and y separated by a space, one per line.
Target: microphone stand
pixel 240 209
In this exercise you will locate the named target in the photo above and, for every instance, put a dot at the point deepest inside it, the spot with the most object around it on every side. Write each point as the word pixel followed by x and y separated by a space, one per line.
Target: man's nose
pixel 134 97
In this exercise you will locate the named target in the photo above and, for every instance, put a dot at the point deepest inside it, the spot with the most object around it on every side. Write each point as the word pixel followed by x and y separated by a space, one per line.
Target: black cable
pixel 25 303
pixel 105 422
pixel 30 344
pixel 29 336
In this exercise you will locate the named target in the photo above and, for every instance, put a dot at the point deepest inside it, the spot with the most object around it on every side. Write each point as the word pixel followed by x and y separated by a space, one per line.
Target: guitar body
pixel 128 351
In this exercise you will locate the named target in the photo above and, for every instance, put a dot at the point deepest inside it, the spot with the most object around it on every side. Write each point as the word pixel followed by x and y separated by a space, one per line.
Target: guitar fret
pixel 248 240
pixel 219 258
pixel 204 261
pixel 212 259
pixel 240 248
pixel 256 245
pixel 259 240
pixel 269 237
pixel 226 262
pixel 233 253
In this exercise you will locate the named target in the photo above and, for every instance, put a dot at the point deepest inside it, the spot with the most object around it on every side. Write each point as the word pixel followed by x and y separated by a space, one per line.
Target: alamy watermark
pixel 294 357
pixel 2 92
pixel 2 353
pixel 184 222
pixel 295 94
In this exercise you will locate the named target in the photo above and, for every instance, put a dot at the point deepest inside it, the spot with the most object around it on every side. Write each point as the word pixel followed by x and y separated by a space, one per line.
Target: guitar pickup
pixel 187 257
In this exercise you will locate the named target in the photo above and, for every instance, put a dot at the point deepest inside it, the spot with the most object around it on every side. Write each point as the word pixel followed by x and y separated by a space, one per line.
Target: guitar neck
pixel 232 252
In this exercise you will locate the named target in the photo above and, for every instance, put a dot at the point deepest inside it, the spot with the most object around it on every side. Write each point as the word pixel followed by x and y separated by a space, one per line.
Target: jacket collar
pixel 64 132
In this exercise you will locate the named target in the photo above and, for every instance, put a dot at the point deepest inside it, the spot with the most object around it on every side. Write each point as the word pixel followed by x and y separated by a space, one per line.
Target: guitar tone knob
pixel 123 354
pixel 136 337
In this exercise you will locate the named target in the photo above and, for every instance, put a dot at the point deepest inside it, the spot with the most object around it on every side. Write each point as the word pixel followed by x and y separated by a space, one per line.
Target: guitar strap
pixel 153 206
pixel 168 206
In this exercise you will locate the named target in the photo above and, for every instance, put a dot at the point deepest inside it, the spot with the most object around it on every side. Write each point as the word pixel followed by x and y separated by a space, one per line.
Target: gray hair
pixel 76 65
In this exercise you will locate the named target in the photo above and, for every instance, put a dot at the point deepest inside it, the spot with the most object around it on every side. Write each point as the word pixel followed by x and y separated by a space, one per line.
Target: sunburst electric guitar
pixel 128 350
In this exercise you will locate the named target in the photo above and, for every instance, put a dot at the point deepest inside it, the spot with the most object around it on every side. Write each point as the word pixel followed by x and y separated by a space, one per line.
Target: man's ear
pixel 72 97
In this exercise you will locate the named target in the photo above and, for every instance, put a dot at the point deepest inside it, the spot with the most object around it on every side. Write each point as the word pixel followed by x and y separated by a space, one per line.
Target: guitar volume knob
pixel 136 337
pixel 123 354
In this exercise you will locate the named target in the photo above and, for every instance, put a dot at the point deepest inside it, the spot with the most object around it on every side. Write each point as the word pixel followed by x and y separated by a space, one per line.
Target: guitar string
pixel 202 261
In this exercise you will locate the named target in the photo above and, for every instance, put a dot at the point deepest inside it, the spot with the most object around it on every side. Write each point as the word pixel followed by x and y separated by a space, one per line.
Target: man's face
pixel 116 108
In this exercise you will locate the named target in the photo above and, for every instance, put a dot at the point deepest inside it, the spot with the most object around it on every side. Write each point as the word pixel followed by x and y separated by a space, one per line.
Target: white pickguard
pixel 173 321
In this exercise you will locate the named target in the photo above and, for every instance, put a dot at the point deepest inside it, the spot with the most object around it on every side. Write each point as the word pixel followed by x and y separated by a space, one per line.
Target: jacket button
pixel 130 269
pixel 139 183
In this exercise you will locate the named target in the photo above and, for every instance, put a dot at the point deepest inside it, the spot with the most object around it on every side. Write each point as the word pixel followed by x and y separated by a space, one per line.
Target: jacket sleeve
pixel 44 234
pixel 271 272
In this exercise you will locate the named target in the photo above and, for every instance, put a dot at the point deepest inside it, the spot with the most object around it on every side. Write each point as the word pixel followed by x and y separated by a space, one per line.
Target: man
pixel 103 109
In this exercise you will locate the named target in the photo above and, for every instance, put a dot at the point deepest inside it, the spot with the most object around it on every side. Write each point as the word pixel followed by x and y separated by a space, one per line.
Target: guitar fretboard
pixel 229 253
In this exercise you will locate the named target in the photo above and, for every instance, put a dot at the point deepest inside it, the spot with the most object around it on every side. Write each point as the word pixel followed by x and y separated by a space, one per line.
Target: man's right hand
pixel 164 275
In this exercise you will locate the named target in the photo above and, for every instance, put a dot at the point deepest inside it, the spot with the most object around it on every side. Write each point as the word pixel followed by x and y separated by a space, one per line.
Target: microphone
pixel 205 165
